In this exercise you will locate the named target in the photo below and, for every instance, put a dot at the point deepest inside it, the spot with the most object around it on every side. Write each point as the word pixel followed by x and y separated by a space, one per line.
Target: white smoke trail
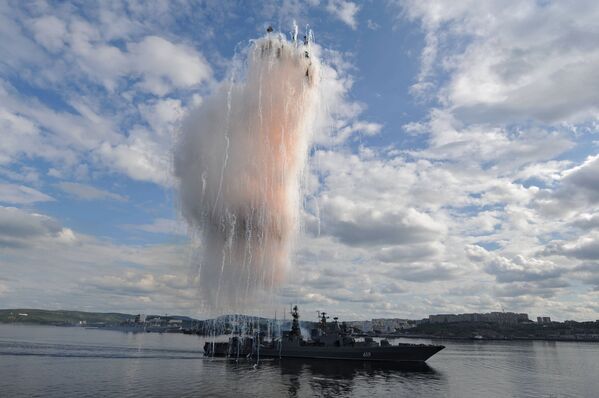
pixel 239 159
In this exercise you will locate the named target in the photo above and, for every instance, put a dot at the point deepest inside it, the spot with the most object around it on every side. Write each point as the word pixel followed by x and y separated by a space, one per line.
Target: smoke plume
pixel 238 161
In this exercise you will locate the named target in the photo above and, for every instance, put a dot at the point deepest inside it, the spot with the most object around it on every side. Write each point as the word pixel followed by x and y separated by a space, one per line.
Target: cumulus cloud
pixel 588 272
pixel 140 157
pixel 586 247
pixel 583 181
pixel 93 273
pixel 19 135
pixel 97 119
pixel 32 129
pixel 587 221
pixel 357 224
pixel 50 31
pixel 137 283
pixel 410 253
pixel 522 269
pixel 522 278
pixel 492 206
pixel 21 194
pixel 344 11
pixel 162 114
pixel 576 191
pixel 19 228
pixel 504 149
pixel 160 65
pixel 516 60
pixel 88 192
pixel 160 226
pixel 165 65
pixel 425 272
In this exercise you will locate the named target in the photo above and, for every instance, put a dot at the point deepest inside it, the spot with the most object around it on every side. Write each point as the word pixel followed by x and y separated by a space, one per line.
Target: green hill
pixel 62 318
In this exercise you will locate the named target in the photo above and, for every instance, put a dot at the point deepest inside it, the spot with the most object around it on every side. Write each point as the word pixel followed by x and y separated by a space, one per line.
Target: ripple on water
pixel 61 362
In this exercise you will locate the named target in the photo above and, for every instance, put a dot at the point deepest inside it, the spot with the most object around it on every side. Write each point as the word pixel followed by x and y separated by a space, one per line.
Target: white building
pixel 391 325
pixel 363 326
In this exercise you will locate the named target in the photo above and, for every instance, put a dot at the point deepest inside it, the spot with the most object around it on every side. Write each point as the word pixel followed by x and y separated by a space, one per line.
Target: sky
pixel 459 172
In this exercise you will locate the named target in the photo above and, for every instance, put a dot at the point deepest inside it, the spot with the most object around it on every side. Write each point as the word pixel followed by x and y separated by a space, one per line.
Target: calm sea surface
pixel 63 362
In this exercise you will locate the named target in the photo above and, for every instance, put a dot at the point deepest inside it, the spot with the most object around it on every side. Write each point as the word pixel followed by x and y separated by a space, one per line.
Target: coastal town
pixel 468 326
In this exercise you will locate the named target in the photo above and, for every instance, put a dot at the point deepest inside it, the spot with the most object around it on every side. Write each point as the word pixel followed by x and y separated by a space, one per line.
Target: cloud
pixel 530 291
pixel 160 65
pixel 160 226
pixel 20 194
pixel 102 116
pixel 588 272
pixel 522 269
pixel 130 284
pixel 88 192
pixel 494 164
pixel 587 221
pixel 473 196
pixel 344 11
pixel 34 130
pixel 586 247
pixel 343 133
pixel 422 273
pixel 505 149
pixel 141 158
pixel 372 25
pixel 356 224
pixel 20 135
pixel 508 62
pixel 165 65
pixel 410 253
pixel 577 189
pixel 522 277
pixel 95 274
pixel 50 31
pixel 162 115
pixel 21 229
pixel 128 90
pixel 583 181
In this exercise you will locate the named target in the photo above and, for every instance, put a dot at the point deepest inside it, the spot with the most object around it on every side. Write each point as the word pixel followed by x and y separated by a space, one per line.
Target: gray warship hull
pixel 359 352
pixel 396 353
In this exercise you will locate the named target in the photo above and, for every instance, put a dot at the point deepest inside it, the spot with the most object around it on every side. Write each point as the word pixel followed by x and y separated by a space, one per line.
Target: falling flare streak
pixel 248 143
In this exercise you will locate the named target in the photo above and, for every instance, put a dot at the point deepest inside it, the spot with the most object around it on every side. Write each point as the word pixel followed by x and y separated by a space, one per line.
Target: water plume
pixel 238 161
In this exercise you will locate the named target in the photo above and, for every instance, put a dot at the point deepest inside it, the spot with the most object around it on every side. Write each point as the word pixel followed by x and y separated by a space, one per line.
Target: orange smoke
pixel 239 161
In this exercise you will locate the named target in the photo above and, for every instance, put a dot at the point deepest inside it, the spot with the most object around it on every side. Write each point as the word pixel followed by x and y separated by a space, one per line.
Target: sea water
pixel 63 362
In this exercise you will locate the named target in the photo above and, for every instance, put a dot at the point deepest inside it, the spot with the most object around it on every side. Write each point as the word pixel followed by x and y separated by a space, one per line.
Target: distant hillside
pixel 568 330
pixel 62 318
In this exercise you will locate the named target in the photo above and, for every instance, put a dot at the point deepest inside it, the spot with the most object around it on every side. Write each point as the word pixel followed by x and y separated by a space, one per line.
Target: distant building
pixel 543 319
pixel 390 325
pixel 494 317
pixel 362 326
pixel 382 325
pixel 140 318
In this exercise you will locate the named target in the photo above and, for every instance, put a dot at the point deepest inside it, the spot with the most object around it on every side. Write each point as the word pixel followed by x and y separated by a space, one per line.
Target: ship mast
pixel 295 328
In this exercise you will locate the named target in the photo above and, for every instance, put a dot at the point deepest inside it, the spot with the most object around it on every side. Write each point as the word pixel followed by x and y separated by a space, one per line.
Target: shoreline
pixel 382 336
pixel 424 336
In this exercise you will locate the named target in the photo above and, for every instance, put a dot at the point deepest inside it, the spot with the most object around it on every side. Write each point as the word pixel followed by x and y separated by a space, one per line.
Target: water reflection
pixel 339 378
pixel 59 362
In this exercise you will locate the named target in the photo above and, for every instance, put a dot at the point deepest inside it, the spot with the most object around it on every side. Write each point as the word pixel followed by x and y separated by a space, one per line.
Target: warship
pixel 329 340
